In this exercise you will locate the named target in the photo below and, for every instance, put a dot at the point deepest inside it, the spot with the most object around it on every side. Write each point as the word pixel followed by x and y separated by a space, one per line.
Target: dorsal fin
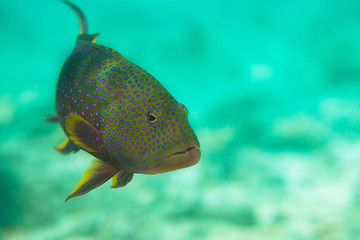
pixel 83 24
pixel 88 37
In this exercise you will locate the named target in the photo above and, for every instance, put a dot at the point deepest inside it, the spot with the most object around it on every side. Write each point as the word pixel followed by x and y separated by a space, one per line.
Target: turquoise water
pixel 272 89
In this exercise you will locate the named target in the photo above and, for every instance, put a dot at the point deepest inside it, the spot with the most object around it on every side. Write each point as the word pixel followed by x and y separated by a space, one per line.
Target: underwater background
pixel 273 93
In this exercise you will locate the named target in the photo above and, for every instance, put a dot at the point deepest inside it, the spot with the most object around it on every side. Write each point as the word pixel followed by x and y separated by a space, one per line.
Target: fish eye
pixel 152 117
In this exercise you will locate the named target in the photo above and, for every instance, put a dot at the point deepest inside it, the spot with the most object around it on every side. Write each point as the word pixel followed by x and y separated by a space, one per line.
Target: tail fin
pixel 83 25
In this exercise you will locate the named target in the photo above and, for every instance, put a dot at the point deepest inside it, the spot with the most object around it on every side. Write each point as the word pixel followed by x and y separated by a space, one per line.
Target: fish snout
pixel 186 157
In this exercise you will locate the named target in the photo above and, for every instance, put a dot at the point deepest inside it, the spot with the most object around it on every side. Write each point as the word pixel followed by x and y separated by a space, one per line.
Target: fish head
pixel 175 145
pixel 156 135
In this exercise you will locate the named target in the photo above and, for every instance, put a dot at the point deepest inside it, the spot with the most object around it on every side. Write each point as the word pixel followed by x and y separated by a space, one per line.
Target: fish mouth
pixel 181 159
pixel 186 151
pixel 187 157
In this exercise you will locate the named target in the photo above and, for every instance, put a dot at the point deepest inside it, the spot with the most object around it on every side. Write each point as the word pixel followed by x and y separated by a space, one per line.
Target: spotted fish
pixel 120 114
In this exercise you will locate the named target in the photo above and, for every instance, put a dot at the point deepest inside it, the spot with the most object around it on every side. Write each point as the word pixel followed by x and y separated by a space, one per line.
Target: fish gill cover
pixel 272 93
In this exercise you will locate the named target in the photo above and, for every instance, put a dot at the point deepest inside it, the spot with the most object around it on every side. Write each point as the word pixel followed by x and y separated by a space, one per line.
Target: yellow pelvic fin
pixel 67 147
pixel 97 174
pixel 83 134
pixel 121 179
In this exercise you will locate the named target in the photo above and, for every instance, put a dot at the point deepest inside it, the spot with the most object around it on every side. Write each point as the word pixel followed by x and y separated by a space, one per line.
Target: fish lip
pixel 189 157
pixel 178 159
pixel 197 148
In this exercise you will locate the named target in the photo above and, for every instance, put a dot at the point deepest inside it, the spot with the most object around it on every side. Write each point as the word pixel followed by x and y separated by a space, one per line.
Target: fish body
pixel 120 114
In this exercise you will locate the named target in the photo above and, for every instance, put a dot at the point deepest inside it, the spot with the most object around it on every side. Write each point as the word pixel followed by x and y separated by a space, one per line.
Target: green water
pixel 273 93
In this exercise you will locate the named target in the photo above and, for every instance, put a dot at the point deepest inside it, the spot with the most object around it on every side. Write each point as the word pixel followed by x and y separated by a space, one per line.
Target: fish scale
pixel 120 114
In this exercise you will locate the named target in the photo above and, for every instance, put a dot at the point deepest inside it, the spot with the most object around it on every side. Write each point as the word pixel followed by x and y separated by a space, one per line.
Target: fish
pixel 120 114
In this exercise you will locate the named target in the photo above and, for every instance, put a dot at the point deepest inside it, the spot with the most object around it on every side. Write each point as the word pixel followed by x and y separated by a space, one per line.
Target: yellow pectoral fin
pixel 97 174
pixel 83 134
pixel 67 147
pixel 121 179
